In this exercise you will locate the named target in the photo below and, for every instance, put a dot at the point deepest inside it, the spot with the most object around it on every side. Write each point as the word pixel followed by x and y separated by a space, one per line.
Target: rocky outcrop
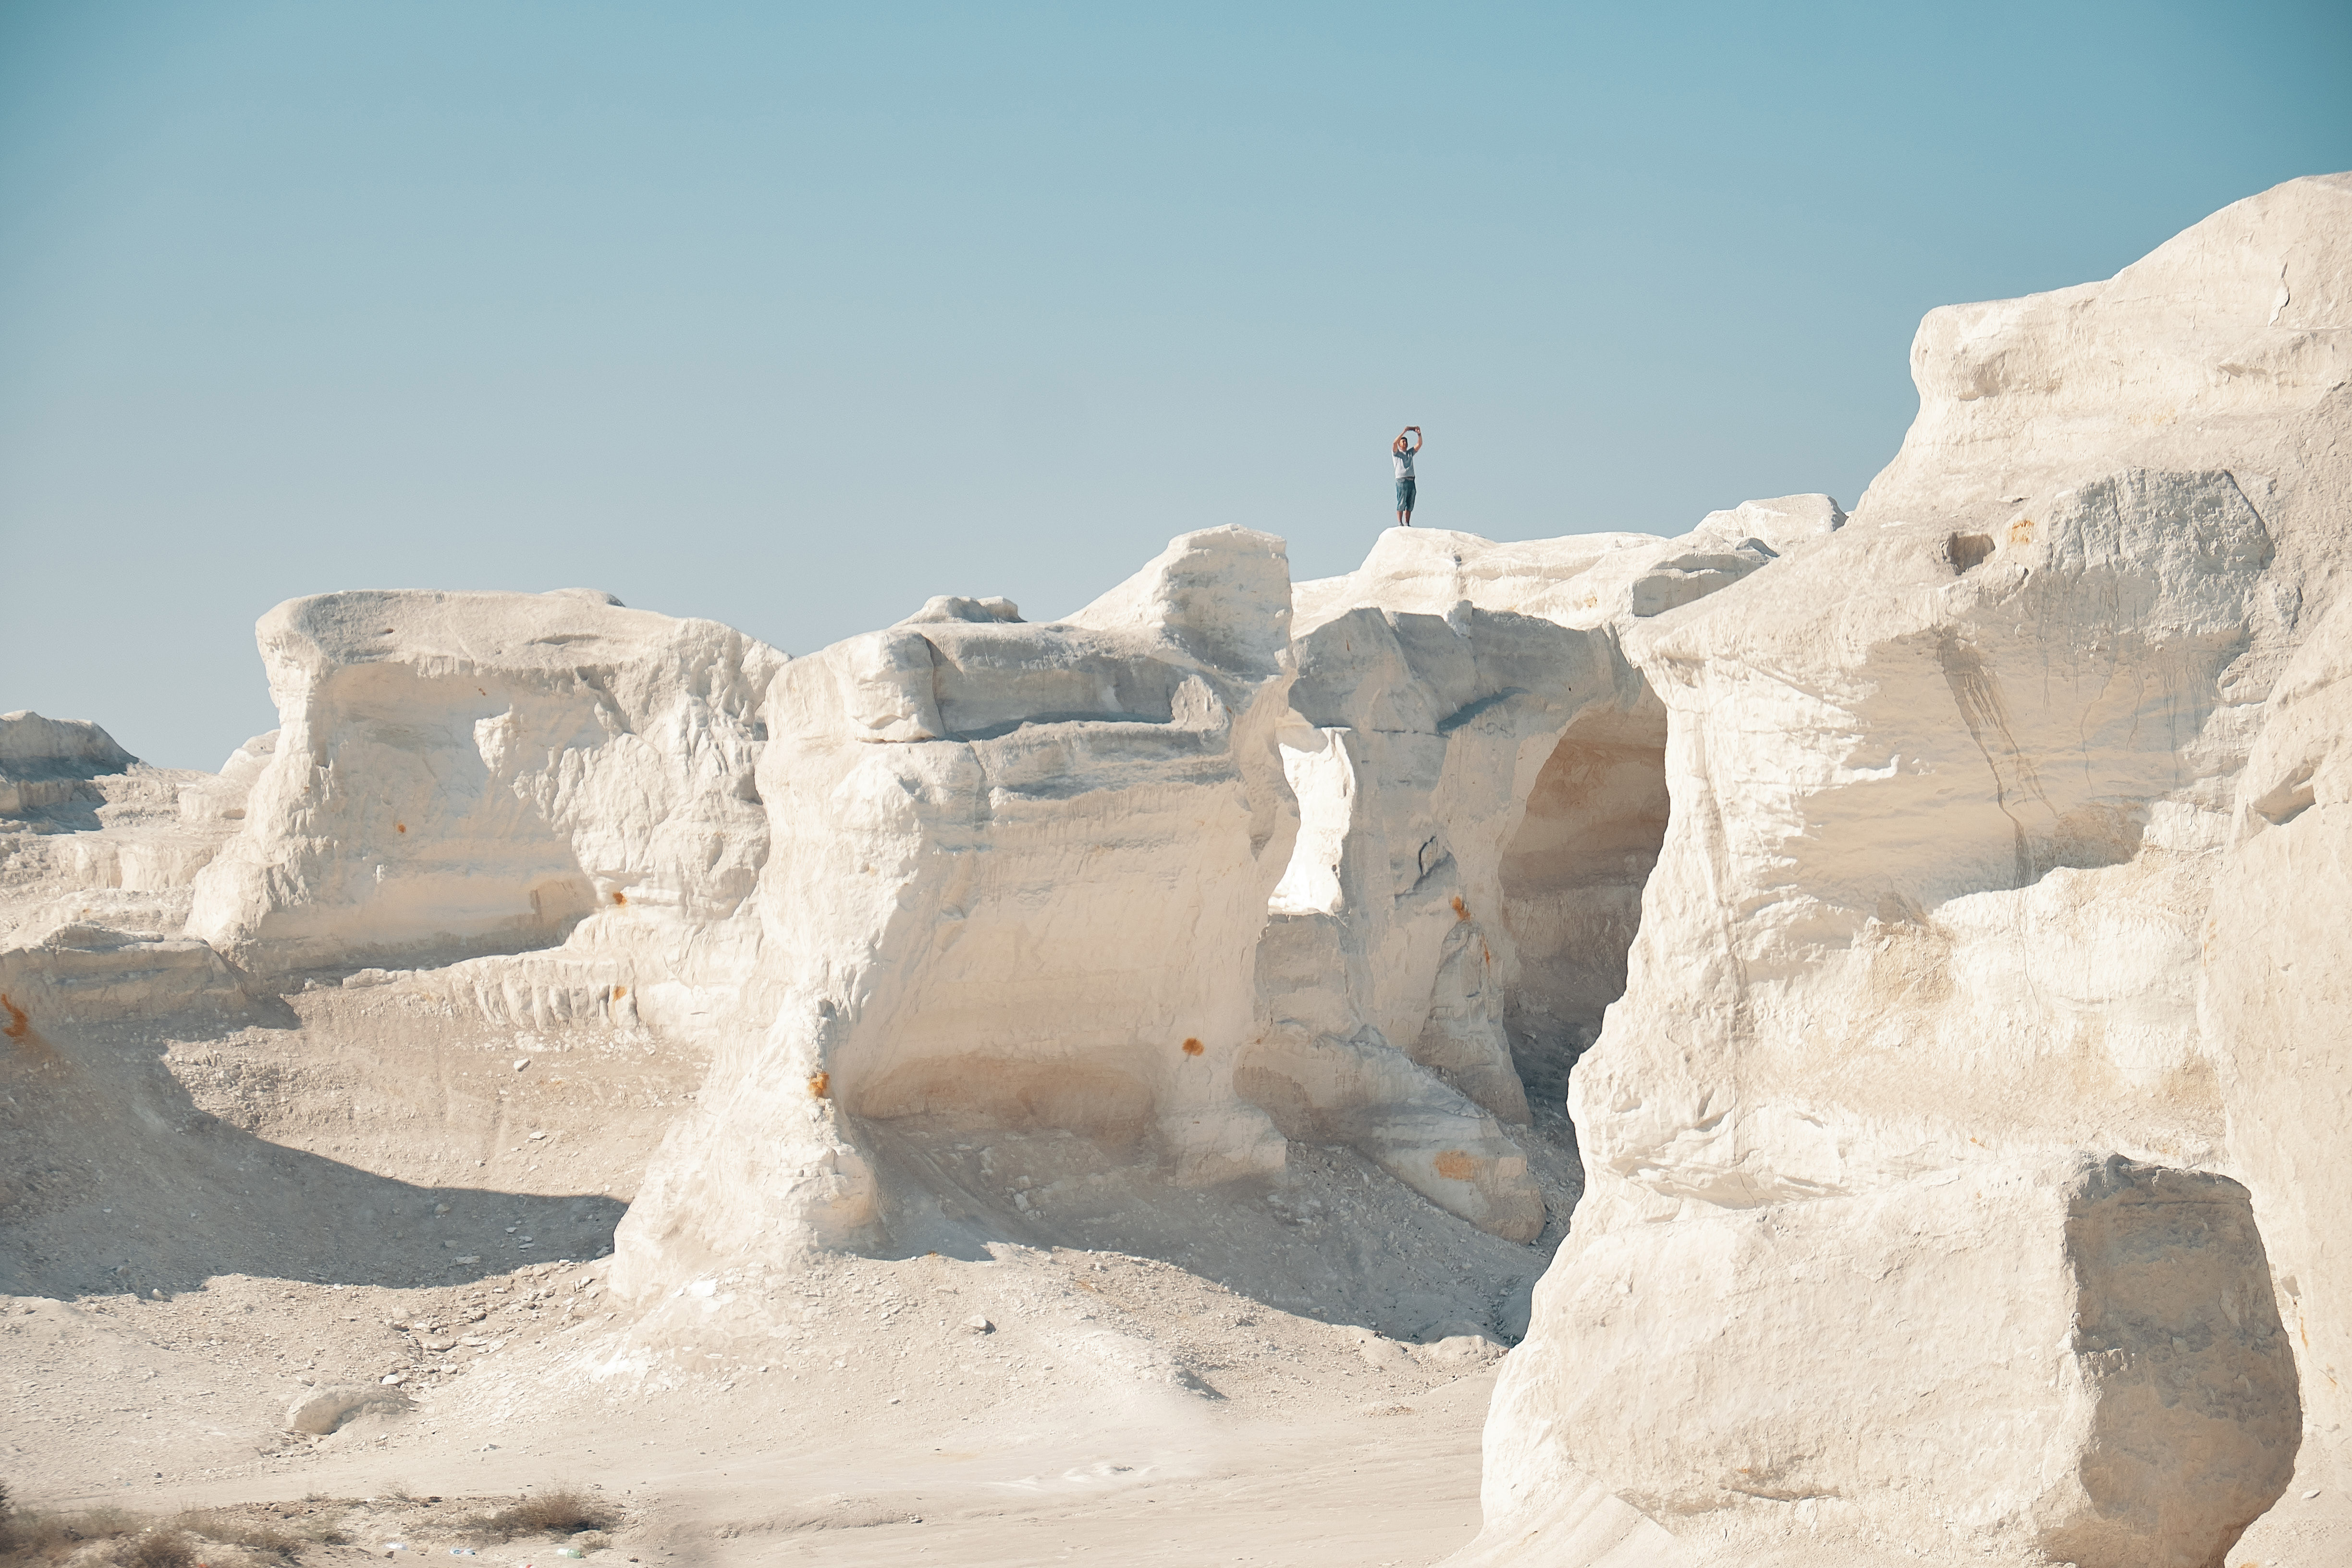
pixel 1188 876
pixel 44 762
pixel 1018 878
pixel 467 774
pixel 1176 873
pixel 83 973
pixel 1960 995
pixel 326 1410
pixel 91 835
pixel 2277 996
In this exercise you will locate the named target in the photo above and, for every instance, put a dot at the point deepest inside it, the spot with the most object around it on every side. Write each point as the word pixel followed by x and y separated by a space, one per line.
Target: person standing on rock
pixel 1403 453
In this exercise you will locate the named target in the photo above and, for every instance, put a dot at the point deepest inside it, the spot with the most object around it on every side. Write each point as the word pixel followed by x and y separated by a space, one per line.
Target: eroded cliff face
pixel 1191 874
pixel 469 774
pixel 1018 876
pixel 1953 893
pixel 1963 1103
pixel 2276 997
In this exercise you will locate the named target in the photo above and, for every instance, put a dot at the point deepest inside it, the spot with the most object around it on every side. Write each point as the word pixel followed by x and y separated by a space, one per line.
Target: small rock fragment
pixel 979 1325
pixel 326 1409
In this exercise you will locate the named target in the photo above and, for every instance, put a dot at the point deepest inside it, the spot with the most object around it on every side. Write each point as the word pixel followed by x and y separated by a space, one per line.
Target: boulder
pixel 87 973
pixel 325 1410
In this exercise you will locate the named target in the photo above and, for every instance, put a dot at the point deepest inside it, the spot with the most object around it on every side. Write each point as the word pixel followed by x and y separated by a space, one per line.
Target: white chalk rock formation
pixel 2278 995
pixel 91 835
pixel 1182 877
pixel 87 973
pixel 220 797
pixel 326 1410
pixel 44 762
pixel 1480 780
pixel 1018 878
pixel 478 773
pixel 1961 1005
pixel 1006 875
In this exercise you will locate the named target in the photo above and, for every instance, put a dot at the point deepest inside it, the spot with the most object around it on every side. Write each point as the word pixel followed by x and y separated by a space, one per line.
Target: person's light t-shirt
pixel 1403 462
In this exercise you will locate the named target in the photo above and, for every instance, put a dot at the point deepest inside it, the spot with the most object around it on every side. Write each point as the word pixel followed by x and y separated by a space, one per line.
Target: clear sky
pixel 793 317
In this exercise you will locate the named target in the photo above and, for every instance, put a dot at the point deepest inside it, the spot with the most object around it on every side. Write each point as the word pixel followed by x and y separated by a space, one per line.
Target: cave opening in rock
pixel 1572 876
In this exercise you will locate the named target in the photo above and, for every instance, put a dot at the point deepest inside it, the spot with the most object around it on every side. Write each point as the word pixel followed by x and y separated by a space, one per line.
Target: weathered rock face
pixel 85 973
pixel 478 773
pixel 1415 742
pixel 1005 875
pixel 1960 991
pixel 1018 878
pixel 44 762
pixel 1172 873
pixel 2082 1361
pixel 1180 875
pixel 89 833
pixel 2278 995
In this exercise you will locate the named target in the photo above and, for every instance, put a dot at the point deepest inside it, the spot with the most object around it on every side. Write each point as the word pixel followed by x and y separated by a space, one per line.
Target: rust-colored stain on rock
pixel 820 1084
pixel 1456 1166
pixel 1459 908
pixel 2021 531
pixel 1194 1048
pixel 619 992
pixel 619 897
pixel 400 827
pixel 31 1049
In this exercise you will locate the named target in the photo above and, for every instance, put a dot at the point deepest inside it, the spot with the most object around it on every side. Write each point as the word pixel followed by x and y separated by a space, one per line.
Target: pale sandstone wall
pixel 1018 880
pixel 467 774
pixel 2278 996
pixel 1910 1232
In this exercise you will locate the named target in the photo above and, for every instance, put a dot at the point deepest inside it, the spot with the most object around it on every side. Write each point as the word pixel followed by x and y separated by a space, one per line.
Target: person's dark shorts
pixel 1404 495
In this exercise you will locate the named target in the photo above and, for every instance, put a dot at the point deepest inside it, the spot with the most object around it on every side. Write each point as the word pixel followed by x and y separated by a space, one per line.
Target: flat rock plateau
pixel 1823 1040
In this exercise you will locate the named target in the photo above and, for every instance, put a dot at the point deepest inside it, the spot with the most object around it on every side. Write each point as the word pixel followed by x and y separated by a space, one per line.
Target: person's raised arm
pixel 1414 431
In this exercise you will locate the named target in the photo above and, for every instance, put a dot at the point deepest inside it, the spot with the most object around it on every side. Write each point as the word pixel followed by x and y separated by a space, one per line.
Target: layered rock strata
pixel 91 835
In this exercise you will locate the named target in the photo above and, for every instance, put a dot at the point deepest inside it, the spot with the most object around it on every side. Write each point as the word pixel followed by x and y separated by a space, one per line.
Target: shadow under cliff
pixel 1334 1238
pixel 112 1180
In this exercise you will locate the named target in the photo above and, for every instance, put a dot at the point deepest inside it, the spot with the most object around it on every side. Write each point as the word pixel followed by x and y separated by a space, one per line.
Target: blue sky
pixel 793 317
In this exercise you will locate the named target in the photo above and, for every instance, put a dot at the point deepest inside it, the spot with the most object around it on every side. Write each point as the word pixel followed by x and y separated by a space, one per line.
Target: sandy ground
pixel 885 1431
pixel 205 1224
